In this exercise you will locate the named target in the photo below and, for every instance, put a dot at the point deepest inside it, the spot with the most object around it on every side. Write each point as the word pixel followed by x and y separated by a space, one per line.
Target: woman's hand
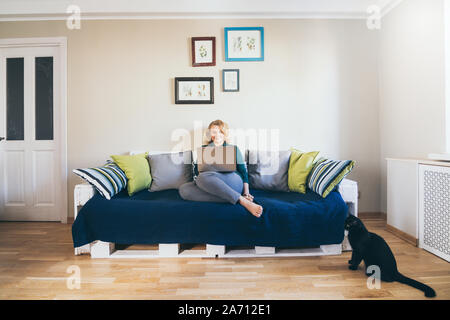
pixel 246 194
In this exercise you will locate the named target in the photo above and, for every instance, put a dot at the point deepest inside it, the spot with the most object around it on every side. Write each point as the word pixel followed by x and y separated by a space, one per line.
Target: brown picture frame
pixel 209 50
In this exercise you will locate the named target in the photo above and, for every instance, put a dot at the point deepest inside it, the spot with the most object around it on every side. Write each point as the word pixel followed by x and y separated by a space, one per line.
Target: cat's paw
pixel 353 267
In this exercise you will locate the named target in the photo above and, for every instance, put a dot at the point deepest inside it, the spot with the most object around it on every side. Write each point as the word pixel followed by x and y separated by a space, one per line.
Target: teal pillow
pixel 327 174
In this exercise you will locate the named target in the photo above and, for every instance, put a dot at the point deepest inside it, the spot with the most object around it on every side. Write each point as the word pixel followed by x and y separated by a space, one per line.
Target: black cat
pixel 372 248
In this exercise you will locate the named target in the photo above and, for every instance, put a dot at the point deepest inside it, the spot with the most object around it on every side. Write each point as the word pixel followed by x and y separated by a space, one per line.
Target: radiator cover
pixel 434 210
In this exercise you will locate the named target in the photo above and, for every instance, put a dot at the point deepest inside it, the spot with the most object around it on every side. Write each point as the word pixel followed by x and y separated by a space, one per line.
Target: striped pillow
pixel 108 180
pixel 327 174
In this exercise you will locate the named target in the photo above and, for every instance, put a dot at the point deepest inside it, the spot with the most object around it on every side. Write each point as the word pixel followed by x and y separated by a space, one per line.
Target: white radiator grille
pixel 436 210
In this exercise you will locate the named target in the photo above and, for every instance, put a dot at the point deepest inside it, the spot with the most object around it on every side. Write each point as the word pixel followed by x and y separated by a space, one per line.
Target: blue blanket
pixel 289 219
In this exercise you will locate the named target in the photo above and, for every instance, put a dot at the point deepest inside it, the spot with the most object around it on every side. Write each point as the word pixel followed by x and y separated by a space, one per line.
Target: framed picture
pixel 194 90
pixel 244 44
pixel 203 51
pixel 230 80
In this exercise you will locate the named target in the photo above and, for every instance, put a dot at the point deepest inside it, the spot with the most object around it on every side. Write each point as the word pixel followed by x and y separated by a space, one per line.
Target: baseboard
pixel 402 235
pixel 372 215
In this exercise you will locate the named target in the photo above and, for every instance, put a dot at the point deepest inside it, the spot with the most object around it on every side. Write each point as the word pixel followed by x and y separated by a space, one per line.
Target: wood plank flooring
pixel 35 257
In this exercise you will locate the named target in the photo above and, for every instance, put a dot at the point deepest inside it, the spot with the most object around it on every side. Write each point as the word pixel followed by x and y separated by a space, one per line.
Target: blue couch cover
pixel 289 219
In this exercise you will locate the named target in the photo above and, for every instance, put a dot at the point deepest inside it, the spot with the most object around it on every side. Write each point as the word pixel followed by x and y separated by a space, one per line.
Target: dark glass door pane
pixel 44 98
pixel 14 99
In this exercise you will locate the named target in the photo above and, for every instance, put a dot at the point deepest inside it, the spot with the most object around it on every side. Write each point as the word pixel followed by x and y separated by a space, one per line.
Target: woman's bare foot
pixel 255 209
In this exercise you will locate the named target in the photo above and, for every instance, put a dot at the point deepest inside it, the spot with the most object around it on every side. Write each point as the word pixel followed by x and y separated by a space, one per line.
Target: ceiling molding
pixel 40 10
pixel 190 15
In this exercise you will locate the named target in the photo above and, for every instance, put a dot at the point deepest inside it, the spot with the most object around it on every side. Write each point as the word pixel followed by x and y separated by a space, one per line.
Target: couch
pixel 292 224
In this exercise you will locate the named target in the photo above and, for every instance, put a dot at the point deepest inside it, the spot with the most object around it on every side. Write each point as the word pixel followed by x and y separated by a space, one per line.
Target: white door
pixel 30 184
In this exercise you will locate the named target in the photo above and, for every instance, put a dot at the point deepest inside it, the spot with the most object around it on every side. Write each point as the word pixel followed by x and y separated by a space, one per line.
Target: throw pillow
pixel 170 170
pixel 108 180
pixel 268 170
pixel 300 165
pixel 327 174
pixel 136 169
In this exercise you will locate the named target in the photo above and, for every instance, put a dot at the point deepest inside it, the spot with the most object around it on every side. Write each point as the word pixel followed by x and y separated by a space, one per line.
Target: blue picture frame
pixel 224 86
pixel 243 30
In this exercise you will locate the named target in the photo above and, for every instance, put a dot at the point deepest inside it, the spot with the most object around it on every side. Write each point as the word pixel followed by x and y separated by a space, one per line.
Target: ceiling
pixel 12 10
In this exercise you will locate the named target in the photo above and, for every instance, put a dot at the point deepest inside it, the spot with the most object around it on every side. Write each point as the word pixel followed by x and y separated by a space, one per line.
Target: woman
pixel 214 186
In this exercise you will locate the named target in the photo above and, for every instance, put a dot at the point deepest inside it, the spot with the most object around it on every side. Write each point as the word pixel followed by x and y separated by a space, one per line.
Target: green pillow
pixel 136 169
pixel 300 165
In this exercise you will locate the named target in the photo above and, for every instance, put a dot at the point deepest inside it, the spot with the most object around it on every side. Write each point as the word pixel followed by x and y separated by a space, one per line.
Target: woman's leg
pixel 191 192
pixel 227 186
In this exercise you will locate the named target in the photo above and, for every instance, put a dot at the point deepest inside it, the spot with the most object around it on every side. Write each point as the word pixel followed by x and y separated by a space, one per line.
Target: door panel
pixel 29 107
pixel 14 98
pixel 44 178
pixel 44 98
pixel 14 182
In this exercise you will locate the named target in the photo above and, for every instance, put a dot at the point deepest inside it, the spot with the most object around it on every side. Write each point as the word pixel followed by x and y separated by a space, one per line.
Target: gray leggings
pixel 213 186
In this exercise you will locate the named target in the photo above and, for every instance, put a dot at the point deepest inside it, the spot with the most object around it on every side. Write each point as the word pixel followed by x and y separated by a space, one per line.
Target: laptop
pixel 219 159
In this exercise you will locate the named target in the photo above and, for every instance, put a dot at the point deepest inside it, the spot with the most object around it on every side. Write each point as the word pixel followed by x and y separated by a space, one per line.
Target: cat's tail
pixel 429 292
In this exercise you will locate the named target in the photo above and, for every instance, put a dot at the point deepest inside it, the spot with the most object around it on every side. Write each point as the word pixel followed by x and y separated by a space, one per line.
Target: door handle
pixel 2 138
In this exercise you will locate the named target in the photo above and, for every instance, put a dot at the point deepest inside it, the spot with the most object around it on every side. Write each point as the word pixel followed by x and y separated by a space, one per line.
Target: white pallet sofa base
pixel 100 249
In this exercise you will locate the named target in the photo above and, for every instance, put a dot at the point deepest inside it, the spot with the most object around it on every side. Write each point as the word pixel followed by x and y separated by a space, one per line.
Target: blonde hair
pixel 223 126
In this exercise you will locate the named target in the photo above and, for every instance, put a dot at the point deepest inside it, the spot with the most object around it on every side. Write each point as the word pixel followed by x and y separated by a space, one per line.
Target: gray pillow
pixel 170 170
pixel 268 170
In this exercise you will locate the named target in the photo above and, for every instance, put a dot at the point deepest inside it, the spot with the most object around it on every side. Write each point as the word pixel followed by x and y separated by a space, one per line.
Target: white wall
pixel 412 83
pixel 331 85
pixel 318 85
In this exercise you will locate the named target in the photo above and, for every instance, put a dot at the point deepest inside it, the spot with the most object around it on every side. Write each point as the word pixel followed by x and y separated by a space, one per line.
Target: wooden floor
pixel 35 257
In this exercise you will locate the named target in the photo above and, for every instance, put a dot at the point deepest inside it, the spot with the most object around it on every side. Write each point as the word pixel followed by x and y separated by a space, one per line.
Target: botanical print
pixel 201 90
pixel 203 51
pixel 194 90
pixel 251 43
pixel 237 44
pixel 231 80
pixel 187 91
